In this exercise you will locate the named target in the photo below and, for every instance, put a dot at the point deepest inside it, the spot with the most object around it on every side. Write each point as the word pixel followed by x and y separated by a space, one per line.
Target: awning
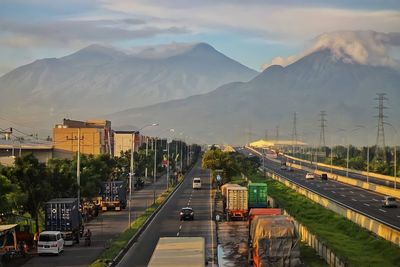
pixel 6 227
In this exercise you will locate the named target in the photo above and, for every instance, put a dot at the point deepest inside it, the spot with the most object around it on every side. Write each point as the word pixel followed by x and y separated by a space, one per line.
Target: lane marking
pixel 343 195
pixel 382 210
pixel 180 227
pixel 177 234
pixel 352 192
pixel 361 195
pixel 333 192
pixel 366 204
pixel 398 216
pixel 354 199
pixel 375 199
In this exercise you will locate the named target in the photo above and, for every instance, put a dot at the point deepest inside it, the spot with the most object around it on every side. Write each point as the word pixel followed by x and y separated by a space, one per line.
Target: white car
pixel 389 202
pixel 50 242
pixel 309 175
pixel 196 183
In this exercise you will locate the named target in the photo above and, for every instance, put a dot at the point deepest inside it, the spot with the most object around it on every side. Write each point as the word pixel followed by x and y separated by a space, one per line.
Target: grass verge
pixel 351 243
pixel 310 257
pixel 122 240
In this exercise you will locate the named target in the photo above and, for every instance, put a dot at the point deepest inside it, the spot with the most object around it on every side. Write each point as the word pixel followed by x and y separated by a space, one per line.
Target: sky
pixel 255 33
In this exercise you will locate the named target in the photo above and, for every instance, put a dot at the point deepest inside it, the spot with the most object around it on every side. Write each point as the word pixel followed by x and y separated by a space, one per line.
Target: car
pixel 50 242
pixel 196 183
pixel 186 213
pixel 324 176
pixel 389 202
pixel 309 175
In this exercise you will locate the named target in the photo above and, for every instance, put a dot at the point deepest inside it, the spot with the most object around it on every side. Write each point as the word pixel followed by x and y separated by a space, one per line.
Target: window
pixel 47 238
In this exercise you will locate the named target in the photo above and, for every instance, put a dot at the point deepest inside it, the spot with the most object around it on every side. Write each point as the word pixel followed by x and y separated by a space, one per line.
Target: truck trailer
pixel 236 202
pixel 179 252
pixel 113 195
pixel 274 242
pixel 62 214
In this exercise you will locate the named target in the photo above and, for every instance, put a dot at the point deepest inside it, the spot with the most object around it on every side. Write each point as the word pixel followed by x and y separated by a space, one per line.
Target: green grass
pixel 122 240
pixel 351 243
pixel 310 257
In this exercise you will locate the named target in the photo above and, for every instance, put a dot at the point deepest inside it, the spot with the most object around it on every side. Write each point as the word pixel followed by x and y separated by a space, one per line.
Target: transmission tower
pixel 380 136
pixel 322 125
pixel 294 132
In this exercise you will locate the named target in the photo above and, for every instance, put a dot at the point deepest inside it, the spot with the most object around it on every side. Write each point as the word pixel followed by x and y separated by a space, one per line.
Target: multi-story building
pixel 123 141
pixel 92 136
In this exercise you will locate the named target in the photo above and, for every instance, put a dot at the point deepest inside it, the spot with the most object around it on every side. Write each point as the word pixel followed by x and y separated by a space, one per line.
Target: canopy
pixel 6 227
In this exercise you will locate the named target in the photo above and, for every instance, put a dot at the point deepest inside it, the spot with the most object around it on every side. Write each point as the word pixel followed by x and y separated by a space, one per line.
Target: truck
pixel 257 195
pixel 179 252
pixel 253 213
pixel 236 202
pixel 225 186
pixel 274 241
pixel 113 195
pixel 62 214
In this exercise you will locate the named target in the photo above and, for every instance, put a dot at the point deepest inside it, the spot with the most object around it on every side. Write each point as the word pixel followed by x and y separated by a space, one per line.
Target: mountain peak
pixel 94 51
pixel 203 47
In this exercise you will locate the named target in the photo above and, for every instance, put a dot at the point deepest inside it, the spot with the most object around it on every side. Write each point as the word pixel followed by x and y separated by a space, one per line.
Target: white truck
pixel 179 252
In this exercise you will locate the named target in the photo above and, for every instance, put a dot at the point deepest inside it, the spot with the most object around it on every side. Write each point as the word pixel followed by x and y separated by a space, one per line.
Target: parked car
pixel 389 202
pixel 50 242
pixel 324 176
pixel 309 175
pixel 186 213
pixel 196 183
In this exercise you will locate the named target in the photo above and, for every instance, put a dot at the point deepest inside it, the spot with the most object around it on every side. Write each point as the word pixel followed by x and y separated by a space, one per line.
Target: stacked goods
pixel 113 195
pixel 274 241
pixel 236 202
pixel 62 214
pixel 257 195
pixel 179 251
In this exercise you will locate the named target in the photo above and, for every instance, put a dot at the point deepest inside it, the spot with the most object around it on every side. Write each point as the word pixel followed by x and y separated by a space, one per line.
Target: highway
pixel 167 223
pixel 367 202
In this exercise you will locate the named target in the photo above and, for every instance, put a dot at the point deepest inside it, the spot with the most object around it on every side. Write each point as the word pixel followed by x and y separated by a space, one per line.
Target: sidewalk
pixel 104 228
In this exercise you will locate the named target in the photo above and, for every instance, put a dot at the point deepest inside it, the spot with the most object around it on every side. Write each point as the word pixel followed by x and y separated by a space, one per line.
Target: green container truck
pixel 257 195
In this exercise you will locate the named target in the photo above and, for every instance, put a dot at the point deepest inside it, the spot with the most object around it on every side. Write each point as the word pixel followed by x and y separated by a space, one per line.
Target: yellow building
pixel 93 137
pixel 123 141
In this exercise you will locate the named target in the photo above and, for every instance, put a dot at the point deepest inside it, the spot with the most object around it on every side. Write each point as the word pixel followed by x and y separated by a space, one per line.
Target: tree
pixel 7 190
pixel 216 159
pixel 62 178
pixel 32 178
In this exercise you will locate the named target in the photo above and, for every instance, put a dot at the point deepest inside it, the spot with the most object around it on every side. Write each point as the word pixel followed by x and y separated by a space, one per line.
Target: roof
pixel 62 200
pixel 50 232
pixel 6 227
pixel 9 144
pixel 269 143
pixel 126 132
pixel 257 184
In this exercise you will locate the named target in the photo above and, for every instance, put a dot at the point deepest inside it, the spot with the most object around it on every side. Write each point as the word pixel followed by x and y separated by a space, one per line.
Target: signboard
pixel 219 178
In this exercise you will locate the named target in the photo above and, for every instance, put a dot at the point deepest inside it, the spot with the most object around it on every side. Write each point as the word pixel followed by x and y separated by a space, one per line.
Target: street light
pixel 395 155
pixel 131 174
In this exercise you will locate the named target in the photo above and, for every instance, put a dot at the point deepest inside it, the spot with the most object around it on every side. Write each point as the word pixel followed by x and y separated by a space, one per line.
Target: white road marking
pixel 375 199
pixel 333 192
pixel 177 234
pixel 398 216
pixel 354 199
pixel 343 195
pixel 180 227
pixel 352 192
pixel 382 210
pixel 361 195
pixel 366 204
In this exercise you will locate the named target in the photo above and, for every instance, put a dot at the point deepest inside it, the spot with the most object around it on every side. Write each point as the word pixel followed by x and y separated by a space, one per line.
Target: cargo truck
pixel 179 252
pixel 113 195
pixel 62 214
pixel 257 195
pixel 236 202
pixel 225 186
pixel 274 242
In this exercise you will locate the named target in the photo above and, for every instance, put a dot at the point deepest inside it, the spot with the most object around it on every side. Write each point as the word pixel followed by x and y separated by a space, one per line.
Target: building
pixel 123 141
pixel 92 136
pixel 9 149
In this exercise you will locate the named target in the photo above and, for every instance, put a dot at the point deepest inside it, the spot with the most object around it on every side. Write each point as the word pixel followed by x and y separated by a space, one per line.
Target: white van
pixel 50 242
pixel 196 183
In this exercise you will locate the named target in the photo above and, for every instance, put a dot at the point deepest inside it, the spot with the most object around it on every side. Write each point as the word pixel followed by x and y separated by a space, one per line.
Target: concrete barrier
pixel 374 225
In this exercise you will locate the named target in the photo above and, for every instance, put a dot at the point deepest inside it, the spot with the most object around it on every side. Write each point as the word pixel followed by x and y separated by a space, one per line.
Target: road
pixel 167 224
pixel 106 227
pixel 365 201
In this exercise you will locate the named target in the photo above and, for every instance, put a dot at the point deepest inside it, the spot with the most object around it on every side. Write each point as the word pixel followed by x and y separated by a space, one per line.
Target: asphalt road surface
pixel 105 227
pixel 365 201
pixel 167 223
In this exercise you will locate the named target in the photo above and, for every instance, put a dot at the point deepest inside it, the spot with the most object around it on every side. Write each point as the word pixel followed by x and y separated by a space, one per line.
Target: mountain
pixel 316 82
pixel 98 80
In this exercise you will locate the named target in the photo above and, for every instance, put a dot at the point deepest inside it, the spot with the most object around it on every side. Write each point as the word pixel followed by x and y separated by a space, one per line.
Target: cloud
pixel 362 47
pixel 83 31
pixel 160 51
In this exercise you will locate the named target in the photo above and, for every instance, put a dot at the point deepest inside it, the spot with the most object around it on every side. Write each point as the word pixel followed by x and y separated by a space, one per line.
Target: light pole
pixel 366 130
pixel 155 170
pixel 131 174
pixel 395 155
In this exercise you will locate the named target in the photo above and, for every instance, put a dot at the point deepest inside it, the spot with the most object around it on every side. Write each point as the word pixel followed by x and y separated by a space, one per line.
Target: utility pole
pixel 380 137
pixel 78 161
pixel 155 169
pixel 131 176
pixel 322 126
pixel 167 164
pixel 294 133
pixel 147 149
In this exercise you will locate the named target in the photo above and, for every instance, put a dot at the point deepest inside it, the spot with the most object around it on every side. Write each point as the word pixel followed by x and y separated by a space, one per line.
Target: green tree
pixel 216 159
pixel 32 177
